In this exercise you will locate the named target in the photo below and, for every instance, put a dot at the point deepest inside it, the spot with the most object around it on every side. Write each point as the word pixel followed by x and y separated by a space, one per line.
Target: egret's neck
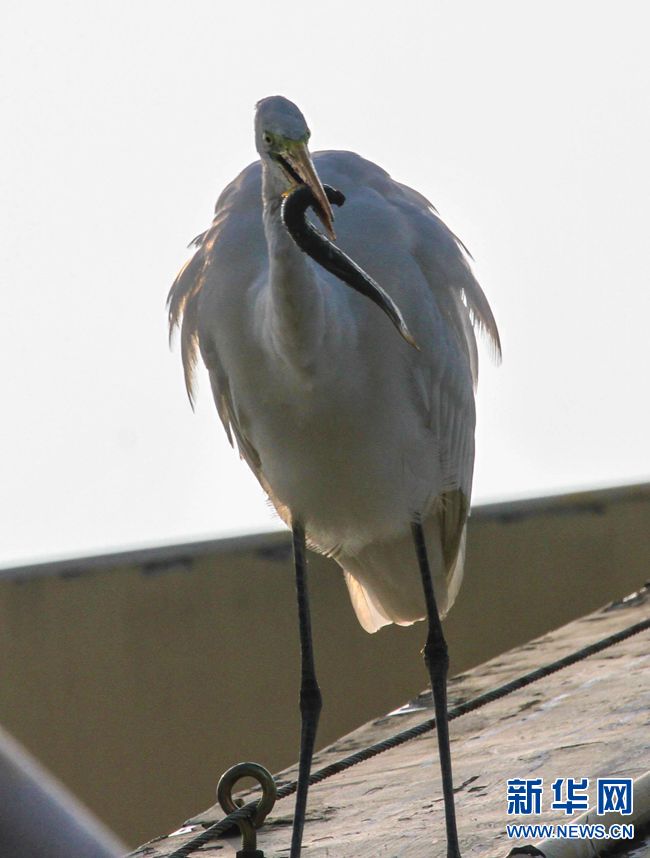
pixel 295 309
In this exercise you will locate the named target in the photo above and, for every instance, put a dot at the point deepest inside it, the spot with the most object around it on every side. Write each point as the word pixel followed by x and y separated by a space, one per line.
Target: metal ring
pixel 265 803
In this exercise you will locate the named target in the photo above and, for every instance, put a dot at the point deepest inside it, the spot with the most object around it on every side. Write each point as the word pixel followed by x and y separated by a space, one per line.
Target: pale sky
pixel 526 124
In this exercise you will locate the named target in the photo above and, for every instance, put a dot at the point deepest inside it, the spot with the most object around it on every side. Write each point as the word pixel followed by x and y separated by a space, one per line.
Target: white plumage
pixel 345 425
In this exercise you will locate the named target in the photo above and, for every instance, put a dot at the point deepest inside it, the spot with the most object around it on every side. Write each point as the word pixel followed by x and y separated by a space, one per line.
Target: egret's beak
pixel 298 157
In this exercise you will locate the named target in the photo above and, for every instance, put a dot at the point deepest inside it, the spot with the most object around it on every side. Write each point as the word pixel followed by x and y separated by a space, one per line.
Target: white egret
pixel 363 442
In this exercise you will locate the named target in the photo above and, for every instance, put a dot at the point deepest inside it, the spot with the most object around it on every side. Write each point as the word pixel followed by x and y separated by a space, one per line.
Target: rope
pixel 246 811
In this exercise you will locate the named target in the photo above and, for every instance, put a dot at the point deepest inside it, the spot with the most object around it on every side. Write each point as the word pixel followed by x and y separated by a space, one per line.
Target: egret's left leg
pixel 436 658
pixel 310 697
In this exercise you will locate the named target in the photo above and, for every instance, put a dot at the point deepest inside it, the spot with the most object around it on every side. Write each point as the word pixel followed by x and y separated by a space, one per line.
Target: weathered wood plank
pixel 589 720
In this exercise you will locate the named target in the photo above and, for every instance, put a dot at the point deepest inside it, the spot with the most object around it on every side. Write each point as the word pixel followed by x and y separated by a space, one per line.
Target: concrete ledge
pixel 588 720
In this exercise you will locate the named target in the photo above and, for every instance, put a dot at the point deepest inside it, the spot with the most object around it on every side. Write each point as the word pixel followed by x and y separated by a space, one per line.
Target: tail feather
pixel 370 613
pixel 384 581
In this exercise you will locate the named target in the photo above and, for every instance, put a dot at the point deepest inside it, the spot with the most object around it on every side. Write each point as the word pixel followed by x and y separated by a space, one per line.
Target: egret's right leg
pixel 437 661
pixel 310 697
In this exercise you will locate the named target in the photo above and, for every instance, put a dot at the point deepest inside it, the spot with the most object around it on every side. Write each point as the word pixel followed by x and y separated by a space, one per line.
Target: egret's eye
pixel 267 139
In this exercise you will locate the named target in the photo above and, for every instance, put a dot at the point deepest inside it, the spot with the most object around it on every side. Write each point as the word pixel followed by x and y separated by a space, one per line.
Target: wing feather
pixel 444 262
pixel 184 303
pixel 444 256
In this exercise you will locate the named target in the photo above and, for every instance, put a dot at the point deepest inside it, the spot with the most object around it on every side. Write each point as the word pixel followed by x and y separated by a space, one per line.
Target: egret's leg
pixel 310 698
pixel 436 658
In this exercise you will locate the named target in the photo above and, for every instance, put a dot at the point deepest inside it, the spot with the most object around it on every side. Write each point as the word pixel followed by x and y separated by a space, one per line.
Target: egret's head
pixel 281 136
